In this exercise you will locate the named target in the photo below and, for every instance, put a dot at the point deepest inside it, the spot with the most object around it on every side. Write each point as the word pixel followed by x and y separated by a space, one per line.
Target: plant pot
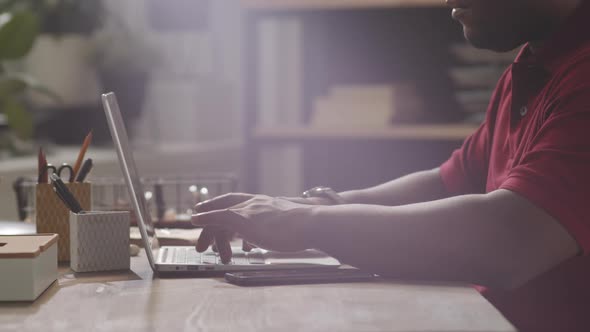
pixel 63 64
pixel 130 88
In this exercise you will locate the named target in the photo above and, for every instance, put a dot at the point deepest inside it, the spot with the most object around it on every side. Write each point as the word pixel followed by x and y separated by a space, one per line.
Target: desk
pixel 134 301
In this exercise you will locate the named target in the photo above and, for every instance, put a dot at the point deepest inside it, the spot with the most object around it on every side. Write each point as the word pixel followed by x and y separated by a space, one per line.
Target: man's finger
pixel 206 238
pixel 247 246
pixel 222 240
pixel 222 202
pixel 220 218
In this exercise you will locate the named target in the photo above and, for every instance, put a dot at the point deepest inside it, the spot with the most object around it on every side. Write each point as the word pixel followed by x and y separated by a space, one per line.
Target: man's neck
pixel 560 11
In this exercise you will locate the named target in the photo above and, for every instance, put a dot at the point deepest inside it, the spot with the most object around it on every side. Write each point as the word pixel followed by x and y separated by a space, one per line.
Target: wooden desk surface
pixel 134 301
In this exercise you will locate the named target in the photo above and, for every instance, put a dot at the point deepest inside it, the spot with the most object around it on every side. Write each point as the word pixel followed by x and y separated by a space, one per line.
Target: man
pixel 510 210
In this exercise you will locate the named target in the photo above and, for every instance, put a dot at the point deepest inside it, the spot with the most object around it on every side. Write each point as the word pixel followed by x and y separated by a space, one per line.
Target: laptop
pixel 185 259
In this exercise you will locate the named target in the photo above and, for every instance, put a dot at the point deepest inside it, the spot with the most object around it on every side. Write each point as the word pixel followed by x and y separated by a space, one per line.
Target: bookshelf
pixel 296 50
pixel 417 132
pixel 336 4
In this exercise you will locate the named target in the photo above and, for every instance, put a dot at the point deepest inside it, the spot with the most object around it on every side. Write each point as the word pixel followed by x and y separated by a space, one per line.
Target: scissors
pixel 60 170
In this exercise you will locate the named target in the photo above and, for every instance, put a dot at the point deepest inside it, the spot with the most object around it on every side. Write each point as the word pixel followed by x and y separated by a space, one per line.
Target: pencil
pixel 45 172
pixel 40 166
pixel 83 149
pixel 42 176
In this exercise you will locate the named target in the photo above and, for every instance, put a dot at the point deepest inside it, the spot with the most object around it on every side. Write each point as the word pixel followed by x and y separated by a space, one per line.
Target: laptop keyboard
pixel 189 256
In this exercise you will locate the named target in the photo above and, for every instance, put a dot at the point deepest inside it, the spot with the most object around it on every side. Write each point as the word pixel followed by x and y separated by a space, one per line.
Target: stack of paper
pixel 367 106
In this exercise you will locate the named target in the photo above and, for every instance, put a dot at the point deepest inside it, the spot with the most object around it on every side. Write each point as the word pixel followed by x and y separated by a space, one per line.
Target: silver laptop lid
pixel 130 174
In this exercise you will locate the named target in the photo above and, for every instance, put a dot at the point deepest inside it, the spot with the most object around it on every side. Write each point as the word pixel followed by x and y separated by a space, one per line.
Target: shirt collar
pixel 566 39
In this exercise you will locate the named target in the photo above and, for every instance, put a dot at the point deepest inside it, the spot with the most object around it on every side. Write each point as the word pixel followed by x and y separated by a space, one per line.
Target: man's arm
pixel 413 188
pixel 416 187
pixel 498 239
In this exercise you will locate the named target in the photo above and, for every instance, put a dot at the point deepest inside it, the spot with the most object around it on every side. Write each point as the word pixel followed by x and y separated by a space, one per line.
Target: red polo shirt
pixel 536 142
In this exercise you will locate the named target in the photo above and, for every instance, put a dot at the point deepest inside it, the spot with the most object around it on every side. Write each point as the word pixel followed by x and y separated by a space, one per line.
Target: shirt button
pixel 524 110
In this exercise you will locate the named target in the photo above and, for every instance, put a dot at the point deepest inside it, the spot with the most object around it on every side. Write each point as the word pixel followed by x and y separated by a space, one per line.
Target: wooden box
pixel 52 215
pixel 28 264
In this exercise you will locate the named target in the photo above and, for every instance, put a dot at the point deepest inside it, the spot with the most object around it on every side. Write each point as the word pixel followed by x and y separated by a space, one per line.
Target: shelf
pixel 426 132
pixel 58 154
pixel 336 4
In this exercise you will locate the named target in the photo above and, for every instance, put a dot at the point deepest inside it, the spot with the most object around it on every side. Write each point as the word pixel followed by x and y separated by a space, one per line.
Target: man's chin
pixel 499 44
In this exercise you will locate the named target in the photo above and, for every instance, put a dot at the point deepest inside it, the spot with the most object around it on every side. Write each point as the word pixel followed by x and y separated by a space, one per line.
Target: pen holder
pixel 52 215
pixel 99 241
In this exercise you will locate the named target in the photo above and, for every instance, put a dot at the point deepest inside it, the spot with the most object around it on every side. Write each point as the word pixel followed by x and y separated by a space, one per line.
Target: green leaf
pixel 14 83
pixel 10 87
pixel 6 5
pixel 18 118
pixel 17 34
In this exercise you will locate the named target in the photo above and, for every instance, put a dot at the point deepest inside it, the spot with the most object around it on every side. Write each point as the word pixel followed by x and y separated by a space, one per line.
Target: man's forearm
pixel 413 188
pixel 473 239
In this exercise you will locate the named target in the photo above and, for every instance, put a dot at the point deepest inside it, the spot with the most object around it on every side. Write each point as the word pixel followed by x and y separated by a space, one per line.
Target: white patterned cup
pixel 99 241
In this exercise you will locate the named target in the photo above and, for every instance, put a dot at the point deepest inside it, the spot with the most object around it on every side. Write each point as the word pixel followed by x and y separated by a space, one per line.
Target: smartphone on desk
pixel 288 277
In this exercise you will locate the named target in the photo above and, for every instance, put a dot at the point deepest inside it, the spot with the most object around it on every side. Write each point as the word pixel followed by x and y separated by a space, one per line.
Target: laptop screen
pixel 130 174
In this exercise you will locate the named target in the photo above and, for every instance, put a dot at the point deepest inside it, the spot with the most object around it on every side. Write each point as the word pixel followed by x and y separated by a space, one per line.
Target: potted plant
pixel 18 31
pixel 62 52
pixel 51 40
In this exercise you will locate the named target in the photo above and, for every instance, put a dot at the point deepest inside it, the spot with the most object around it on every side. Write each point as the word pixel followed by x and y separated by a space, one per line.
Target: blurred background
pixel 281 94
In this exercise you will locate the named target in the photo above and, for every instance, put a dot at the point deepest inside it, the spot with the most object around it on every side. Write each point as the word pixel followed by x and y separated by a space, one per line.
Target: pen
pixel 21 198
pixel 64 194
pixel 83 149
pixel 86 168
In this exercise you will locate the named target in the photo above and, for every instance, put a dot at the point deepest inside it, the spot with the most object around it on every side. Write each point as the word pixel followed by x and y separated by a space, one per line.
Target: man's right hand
pixel 221 238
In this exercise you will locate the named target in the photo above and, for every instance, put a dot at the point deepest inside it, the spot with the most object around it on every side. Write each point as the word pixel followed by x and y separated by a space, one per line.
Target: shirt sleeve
pixel 555 173
pixel 466 170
